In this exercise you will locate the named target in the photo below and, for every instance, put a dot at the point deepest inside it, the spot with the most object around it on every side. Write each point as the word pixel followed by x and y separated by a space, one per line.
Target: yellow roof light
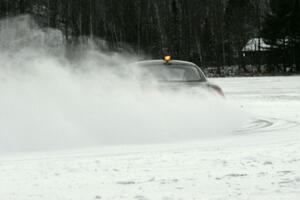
pixel 168 58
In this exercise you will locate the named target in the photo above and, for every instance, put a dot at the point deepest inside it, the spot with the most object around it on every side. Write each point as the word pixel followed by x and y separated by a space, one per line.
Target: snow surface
pixel 259 161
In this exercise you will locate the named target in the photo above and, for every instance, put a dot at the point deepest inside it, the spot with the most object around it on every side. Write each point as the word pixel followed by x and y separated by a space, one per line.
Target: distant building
pixel 256 44
pixel 255 52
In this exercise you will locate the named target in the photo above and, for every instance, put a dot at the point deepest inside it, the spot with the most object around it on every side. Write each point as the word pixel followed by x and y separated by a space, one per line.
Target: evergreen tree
pixel 240 23
pixel 294 34
pixel 281 31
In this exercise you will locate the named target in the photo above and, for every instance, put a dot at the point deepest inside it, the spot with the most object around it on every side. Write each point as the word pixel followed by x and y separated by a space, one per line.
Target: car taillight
pixel 217 89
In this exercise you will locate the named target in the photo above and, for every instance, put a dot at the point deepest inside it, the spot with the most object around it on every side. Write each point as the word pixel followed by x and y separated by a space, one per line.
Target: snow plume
pixel 51 101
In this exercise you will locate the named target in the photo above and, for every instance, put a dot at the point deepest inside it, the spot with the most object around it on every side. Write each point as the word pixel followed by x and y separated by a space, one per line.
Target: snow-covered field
pixel 258 161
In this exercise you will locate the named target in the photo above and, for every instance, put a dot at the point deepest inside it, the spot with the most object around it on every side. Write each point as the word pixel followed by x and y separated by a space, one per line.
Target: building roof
pixel 256 44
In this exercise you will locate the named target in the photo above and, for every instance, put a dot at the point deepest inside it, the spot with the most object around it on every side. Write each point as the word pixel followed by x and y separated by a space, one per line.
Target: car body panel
pixel 202 83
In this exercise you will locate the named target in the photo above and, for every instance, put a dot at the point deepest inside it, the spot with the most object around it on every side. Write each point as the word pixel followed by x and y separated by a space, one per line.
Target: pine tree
pixel 294 34
pixel 281 30
pixel 240 23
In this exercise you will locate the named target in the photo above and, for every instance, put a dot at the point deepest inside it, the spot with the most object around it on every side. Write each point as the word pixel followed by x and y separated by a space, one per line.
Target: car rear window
pixel 171 72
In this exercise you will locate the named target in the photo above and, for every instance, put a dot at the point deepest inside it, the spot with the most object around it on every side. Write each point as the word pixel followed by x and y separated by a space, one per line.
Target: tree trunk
pixel 22 6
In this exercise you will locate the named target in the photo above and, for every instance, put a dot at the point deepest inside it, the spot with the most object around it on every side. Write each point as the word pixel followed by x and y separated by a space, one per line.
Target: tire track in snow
pixel 258 125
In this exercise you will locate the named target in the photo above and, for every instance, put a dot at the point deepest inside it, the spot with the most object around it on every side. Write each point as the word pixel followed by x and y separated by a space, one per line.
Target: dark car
pixel 177 72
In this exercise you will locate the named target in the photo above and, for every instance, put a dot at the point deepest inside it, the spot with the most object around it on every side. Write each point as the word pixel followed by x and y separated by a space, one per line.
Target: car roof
pixel 172 62
pixel 175 62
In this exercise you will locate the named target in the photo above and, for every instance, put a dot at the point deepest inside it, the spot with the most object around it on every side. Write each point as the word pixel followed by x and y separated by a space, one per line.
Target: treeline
pixel 281 31
pixel 211 33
